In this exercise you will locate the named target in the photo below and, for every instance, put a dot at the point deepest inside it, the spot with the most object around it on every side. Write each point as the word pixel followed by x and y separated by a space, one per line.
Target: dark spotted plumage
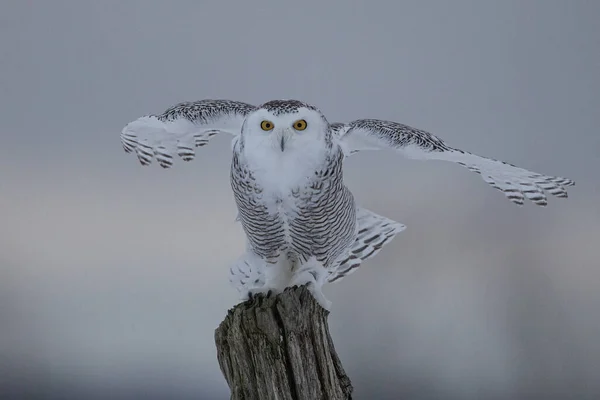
pixel 320 223
pixel 264 230
pixel 400 135
pixel 205 111
pixel 279 107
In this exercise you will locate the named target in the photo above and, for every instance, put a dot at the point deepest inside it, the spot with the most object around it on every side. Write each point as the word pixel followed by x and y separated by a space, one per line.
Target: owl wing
pixel 516 183
pixel 374 232
pixel 182 128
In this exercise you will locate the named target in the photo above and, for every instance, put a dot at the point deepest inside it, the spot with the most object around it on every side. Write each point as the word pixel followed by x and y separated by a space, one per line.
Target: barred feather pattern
pixel 374 232
pixel 321 222
pixel 398 135
pixel 516 183
pixel 205 111
pixel 265 231
pixel 182 128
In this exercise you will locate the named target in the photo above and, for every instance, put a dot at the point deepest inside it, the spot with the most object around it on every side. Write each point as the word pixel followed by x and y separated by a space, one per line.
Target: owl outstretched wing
pixel 515 182
pixel 182 128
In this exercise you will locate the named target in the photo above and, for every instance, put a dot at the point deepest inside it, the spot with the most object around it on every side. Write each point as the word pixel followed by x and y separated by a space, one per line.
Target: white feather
pixel 515 182
pixel 182 128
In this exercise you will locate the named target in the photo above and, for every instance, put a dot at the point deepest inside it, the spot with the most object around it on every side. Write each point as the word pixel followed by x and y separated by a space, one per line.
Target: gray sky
pixel 113 276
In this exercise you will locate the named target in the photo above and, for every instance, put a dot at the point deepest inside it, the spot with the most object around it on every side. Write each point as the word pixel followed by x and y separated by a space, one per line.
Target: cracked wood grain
pixel 279 347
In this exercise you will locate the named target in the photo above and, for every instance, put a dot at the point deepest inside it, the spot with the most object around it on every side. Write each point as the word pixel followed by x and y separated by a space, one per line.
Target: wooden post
pixel 279 347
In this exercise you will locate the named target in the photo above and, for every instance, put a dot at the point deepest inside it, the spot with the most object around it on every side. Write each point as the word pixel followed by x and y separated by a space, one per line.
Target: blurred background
pixel 113 276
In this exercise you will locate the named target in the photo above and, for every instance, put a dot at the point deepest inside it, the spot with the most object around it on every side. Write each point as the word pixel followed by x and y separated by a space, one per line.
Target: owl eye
pixel 266 125
pixel 300 125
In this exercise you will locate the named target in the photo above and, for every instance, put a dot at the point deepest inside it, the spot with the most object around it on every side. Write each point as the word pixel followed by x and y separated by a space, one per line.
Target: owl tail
pixel 374 231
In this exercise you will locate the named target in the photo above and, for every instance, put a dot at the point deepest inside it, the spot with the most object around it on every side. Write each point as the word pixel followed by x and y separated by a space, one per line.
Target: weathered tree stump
pixel 279 347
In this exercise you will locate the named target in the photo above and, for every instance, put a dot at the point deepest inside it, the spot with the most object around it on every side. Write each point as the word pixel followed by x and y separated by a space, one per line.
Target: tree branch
pixel 279 347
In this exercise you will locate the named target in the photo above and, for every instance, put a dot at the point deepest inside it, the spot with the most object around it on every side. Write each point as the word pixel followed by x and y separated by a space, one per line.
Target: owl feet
pixel 252 293
pixel 314 284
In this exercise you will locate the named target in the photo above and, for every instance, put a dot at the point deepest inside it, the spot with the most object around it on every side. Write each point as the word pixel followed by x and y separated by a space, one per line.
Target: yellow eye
pixel 266 125
pixel 300 125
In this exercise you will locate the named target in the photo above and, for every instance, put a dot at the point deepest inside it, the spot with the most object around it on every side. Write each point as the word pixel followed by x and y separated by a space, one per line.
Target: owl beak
pixel 285 136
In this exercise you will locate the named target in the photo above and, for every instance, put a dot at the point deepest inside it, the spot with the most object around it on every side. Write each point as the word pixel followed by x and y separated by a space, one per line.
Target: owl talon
pixel 309 279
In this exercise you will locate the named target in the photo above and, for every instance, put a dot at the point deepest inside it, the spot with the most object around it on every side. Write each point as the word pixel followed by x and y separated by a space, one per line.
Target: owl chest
pixel 283 197
pixel 288 200
pixel 278 201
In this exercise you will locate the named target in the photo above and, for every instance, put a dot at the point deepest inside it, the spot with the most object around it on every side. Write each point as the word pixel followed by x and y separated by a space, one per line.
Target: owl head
pixel 285 126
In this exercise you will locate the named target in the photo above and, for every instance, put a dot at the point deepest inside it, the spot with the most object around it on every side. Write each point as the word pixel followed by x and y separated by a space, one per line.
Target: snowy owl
pixel 301 222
